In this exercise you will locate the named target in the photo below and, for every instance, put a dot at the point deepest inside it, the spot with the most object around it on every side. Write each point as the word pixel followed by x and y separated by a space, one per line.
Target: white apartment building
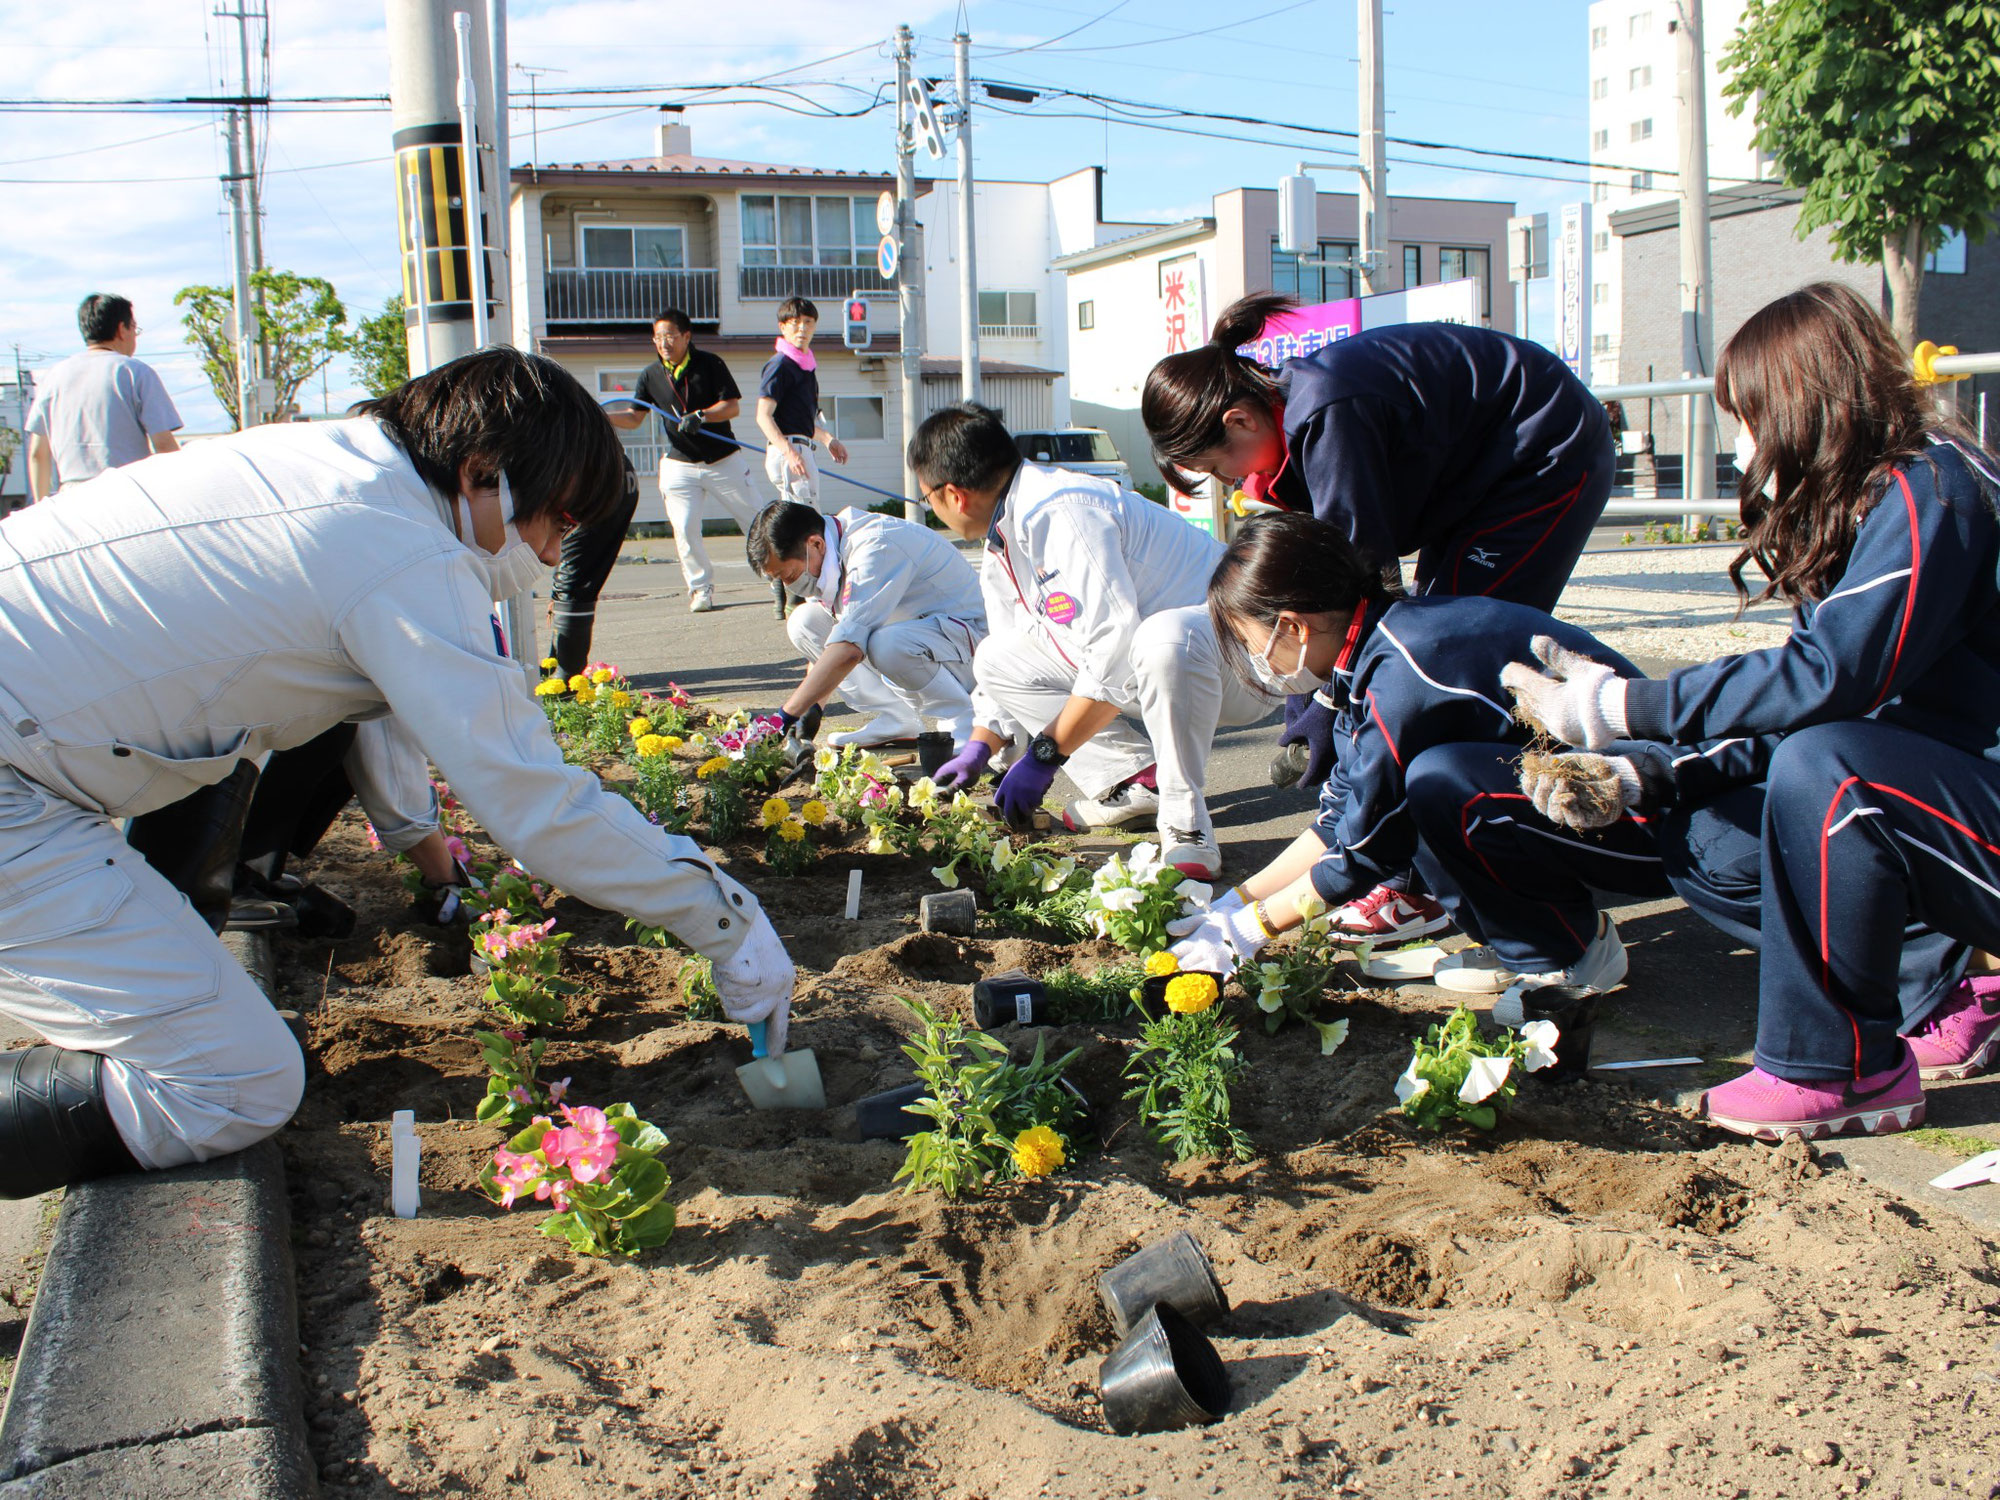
pixel 1635 137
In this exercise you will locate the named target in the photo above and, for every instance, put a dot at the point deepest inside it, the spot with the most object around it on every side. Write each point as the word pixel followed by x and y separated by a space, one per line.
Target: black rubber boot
pixel 55 1129
pixel 194 842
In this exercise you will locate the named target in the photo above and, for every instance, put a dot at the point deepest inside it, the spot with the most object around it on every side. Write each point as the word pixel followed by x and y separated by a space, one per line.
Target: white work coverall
pixel 902 594
pixel 685 489
pixel 1095 592
pixel 164 621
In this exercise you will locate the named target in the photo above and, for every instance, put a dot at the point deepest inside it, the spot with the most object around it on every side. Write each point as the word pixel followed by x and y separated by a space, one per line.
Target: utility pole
pixel 1374 151
pixel 968 278
pixel 475 217
pixel 234 183
pixel 909 328
pixel 260 367
pixel 1697 283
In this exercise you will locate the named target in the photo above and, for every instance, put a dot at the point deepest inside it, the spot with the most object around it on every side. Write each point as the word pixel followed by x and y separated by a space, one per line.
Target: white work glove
pixel 1580 790
pixel 1216 942
pixel 755 983
pixel 1579 702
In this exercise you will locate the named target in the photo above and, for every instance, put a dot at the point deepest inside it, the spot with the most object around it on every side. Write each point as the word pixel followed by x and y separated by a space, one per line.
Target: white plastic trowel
pixel 788 1082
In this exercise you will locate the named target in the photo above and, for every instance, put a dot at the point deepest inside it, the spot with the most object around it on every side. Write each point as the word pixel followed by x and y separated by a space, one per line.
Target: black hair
pixel 797 307
pixel 681 321
pixel 500 410
pixel 966 445
pixel 100 315
pixel 780 531
pixel 1284 562
pixel 1187 393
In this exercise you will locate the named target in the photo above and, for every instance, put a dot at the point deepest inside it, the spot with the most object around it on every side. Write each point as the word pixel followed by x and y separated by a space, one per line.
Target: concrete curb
pixel 161 1357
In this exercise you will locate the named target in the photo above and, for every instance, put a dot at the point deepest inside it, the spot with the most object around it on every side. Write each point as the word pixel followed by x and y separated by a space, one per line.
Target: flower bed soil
pixel 1603 1297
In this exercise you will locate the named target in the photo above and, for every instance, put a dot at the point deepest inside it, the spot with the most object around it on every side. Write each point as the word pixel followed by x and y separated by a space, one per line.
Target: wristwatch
pixel 1043 748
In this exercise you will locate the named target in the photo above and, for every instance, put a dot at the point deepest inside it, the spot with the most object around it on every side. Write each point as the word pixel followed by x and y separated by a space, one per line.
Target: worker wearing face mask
pixel 892 618
pixel 191 614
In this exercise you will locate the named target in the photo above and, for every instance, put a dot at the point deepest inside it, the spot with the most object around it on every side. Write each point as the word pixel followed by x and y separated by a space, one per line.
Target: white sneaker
pixel 701 601
pixel 1195 855
pixel 1481 971
pixel 1130 803
pixel 879 730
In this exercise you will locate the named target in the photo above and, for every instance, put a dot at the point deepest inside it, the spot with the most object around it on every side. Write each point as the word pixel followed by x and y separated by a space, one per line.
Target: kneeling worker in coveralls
pixel 175 619
pixel 892 617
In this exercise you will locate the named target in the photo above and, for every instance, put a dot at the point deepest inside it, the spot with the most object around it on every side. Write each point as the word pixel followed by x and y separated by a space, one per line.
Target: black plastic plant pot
pixel 1574 1010
pixel 1013 996
pixel 1171 1273
pixel 1153 991
pixel 1165 1375
pixel 934 748
pixel 882 1117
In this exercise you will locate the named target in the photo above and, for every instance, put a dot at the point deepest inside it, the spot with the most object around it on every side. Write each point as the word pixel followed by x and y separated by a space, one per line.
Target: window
pixel 1601 241
pixel 617 382
pixel 857 419
pixel 1413 265
pixel 1600 343
pixel 1949 258
pixel 1457 264
pixel 1641 78
pixel 1312 284
pixel 1085 446
pixel 1009 314
pixel 1642 130
pixel 1086 315
pixel 783 229
pixel 644 247
pixel 1642 182
pixel 1600 88
pixel 1600 140
pixel 1638 25
pixel 1600 36
pixel 1600 293
pixel 1599 191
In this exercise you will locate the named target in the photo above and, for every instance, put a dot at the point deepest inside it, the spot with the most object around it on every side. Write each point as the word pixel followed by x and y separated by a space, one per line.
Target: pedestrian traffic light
pixel 854 327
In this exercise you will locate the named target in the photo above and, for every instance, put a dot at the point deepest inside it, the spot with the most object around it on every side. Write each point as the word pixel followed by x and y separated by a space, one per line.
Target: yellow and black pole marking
pixel 432 152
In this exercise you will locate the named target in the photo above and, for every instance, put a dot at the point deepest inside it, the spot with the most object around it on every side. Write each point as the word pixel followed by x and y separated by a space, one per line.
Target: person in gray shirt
pixel 101 409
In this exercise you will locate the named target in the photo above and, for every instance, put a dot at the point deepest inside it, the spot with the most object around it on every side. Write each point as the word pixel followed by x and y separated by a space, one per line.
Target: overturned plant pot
pixel 1165 1375
pixel 1010 997
pixel 1152 997
pixel 1173 1272
pixel 1573 1009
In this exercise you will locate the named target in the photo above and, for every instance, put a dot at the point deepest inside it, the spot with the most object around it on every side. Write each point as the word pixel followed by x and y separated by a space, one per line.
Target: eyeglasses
pixel 929 495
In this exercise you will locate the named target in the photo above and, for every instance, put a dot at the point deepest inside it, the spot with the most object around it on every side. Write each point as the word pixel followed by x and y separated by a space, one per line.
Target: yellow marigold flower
pixel 674 741
pixel 650 745
pixel 712 766
pixel 586 694
pixel 551 687
pixel 549 664
pixel 791 830
pixel 1190 993
pixel 775 811
pixel 620 698
pixel 814 812
pixel 602 675
pixel 640 727
pixel 1038 1151
pixel 1162 962
pixel 578 683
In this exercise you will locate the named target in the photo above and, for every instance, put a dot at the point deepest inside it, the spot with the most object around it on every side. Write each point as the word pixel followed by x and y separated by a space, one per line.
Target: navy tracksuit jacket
pixel 1883 810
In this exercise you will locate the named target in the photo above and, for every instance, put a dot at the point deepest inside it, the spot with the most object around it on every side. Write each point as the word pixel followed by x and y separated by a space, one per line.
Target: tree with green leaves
pixel 380 349
pixel 303 326
pixel 1887 114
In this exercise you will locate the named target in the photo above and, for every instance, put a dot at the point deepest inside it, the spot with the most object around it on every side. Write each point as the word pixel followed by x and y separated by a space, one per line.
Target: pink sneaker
pixel 1962 1036
pixel 1772 1109
pixel 1386 915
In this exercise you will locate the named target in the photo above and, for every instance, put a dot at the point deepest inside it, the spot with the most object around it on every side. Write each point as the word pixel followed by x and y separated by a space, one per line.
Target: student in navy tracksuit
pixel 1883 808
pixel 1479 452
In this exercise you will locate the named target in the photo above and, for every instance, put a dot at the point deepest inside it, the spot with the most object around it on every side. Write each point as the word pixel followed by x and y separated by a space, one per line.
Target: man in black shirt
pixel 698 389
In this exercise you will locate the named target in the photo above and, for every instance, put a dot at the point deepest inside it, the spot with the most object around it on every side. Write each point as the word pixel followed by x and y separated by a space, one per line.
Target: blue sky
pixel 129 202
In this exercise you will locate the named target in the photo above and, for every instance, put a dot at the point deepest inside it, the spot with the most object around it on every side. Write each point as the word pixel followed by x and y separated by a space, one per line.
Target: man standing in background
pixel 101 409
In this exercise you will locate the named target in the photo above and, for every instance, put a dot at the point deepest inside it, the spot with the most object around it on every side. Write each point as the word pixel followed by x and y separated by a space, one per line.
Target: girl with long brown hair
pixel 1876 518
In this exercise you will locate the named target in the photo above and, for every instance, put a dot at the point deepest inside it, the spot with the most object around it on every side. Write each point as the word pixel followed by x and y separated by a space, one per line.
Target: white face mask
pixel 515 566
pixel 1298 680
pixel 807 584
pixel 1746 449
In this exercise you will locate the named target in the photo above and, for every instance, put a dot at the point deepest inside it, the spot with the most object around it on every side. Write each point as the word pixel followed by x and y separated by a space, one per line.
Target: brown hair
pixel 1187 393
pixel 1284 562
pixel 1834 407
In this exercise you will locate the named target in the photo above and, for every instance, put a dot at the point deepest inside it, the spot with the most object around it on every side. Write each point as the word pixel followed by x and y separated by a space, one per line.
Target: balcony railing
pixel 775 283
pixel 630 296
pixel 1010 330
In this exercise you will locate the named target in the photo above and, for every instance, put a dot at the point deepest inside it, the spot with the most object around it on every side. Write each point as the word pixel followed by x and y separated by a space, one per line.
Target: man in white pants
pixel 697 398
pixel 191 613
pixel 891 619
pixel 1095 602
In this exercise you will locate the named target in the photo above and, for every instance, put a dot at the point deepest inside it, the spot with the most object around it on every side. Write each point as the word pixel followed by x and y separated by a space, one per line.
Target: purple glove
pixel 1021 790
pixel 1310 722
pixel 966 767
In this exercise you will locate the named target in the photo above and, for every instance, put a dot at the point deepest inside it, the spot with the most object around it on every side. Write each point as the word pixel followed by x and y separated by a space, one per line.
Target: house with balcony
pixel 602 247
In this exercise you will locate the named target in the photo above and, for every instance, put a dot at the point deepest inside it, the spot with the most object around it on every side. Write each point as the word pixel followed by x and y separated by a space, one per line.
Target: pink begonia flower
pixel 558 1090
pixel 874 796
pixel 374 838
pixel 515 1035
pixel 588 1145
pixel 518 1172
pixel 458 849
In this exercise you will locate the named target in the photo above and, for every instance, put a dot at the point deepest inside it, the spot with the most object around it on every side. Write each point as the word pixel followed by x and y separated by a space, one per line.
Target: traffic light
pixel 854 326
pixel 923 116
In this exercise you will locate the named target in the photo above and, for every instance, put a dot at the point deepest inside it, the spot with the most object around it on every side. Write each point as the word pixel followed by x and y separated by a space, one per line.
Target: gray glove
pixel 1578 701
pixel 1580 790
pixel 690 423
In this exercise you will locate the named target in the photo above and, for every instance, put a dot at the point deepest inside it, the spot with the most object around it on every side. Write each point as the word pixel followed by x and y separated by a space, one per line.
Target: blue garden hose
pixel 723 437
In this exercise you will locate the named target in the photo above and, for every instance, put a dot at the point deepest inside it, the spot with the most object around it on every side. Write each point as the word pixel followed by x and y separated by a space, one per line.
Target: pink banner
pixel 1303 331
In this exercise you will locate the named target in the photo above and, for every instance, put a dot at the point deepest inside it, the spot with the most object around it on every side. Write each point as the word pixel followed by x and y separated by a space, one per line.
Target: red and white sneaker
pixel 1770 1108
pixel 1392 916
pixel 1962 1036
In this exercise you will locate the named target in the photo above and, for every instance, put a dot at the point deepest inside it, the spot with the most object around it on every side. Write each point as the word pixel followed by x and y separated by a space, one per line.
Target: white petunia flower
pixel 1310 905
pixel 1145 859
pixel 947 875
pixel 1541 1037
pixel 1124 898
pixel 1331 1035
pixel 1199 892
pixel 1410 1086
pixel 825 759
pixel 1484 1077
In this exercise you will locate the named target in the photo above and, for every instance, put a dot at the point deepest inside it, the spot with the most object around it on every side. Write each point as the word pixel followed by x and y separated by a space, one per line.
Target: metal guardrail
pixel 597 295
pixel 775 283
